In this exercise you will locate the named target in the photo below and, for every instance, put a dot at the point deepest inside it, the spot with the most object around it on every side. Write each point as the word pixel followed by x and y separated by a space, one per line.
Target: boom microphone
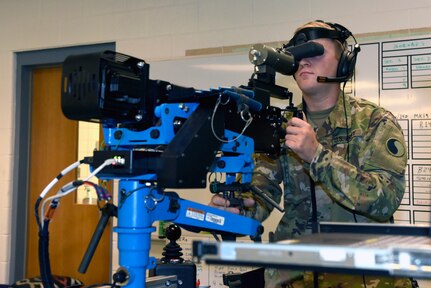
pixel 323 79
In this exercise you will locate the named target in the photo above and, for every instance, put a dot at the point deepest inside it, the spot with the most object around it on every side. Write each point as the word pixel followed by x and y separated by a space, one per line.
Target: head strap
pixel 312 33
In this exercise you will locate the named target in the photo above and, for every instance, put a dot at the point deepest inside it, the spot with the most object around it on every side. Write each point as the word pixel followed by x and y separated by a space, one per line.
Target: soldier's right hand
pixel 219 202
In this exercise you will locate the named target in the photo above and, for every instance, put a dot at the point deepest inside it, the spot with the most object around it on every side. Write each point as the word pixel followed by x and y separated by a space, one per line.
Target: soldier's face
pixel 323 65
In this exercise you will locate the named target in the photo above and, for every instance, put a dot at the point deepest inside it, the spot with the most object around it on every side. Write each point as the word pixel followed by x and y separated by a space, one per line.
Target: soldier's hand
pixel 301 138
pixel 219 202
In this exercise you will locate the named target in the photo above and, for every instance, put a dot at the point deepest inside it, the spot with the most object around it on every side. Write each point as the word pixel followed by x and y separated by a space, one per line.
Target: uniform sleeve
pixel 267 176
pixel 375 186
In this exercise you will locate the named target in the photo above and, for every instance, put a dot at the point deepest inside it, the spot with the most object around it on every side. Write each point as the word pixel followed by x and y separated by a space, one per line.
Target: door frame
pixel 25 63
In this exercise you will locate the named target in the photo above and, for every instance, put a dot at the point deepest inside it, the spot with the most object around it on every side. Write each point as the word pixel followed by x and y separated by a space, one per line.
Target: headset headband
pixel 311 33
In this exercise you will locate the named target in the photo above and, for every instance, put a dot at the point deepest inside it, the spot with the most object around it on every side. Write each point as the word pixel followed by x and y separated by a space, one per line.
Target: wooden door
pixel 53 148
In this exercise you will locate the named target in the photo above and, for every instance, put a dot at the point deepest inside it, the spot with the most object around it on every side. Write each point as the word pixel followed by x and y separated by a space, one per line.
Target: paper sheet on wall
pixel 397 75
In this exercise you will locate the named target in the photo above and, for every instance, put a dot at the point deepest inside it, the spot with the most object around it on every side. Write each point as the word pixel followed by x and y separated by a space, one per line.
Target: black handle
pixel 107 211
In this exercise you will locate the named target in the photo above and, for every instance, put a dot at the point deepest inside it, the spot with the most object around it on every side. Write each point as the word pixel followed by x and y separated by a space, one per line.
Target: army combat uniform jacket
pixel 357 170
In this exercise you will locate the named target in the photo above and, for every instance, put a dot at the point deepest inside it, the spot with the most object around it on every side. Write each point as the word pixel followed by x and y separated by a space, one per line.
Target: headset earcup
pixel 344 64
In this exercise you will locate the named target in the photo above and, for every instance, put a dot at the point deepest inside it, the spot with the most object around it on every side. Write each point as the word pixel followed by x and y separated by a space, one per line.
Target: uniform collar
pixel 337 118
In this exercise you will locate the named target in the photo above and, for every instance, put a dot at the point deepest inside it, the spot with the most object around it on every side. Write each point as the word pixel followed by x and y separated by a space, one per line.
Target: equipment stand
pixel 134 232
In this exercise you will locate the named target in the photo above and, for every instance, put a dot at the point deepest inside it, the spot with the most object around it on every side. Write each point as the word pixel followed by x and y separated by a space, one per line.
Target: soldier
pixel 345 160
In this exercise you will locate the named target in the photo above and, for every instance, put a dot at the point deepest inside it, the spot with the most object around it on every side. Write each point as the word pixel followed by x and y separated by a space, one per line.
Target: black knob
pixel 172 251
pixel 173 232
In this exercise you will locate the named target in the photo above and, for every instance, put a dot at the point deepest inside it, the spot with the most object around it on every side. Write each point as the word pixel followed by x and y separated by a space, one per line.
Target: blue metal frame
pixel 140 205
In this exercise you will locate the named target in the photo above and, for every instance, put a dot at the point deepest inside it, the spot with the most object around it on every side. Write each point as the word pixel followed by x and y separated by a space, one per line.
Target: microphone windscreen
pixel 323 79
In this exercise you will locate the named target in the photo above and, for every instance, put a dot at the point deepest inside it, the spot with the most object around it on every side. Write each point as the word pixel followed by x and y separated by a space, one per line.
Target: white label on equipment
pixel 213 218
pixel 195 214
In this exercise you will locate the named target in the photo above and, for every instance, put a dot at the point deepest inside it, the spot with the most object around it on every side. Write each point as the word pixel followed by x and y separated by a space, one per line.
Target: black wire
pixel 125 195
pixel 44 262
pixel 363 281
pixel 347 124
pixel 36 212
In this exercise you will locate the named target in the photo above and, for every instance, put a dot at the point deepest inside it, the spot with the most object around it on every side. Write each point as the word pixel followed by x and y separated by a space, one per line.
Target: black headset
pixel 347 62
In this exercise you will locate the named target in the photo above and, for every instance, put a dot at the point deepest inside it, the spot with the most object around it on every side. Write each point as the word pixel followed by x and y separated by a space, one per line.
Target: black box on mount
pixel 185 272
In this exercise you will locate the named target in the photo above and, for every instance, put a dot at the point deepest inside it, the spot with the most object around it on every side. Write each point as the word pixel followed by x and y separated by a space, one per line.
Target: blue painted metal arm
pixel 140 206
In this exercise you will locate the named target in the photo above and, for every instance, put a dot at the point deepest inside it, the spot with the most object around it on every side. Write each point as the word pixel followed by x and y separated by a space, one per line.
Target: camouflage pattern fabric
pixel 59 281
pixel 327 280
pixel 358 171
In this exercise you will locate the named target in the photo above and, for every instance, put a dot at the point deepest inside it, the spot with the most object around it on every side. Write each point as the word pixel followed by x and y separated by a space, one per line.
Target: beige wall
pixel 163 29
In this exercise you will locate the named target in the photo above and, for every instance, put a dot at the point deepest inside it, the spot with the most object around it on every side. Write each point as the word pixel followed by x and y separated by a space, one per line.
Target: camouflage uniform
pixel 358 177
